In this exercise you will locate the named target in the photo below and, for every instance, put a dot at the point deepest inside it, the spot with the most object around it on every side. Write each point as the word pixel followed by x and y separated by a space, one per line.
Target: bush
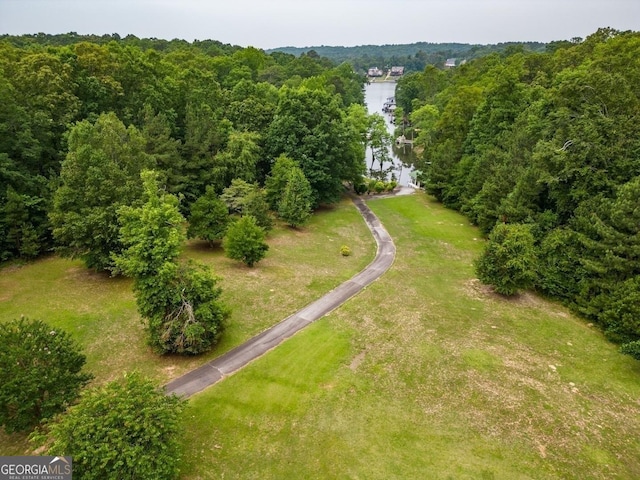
pixel 125 429
pixel 345 251
pixel 508 262
pixel 379 187
pixel 631 348
pixel 360 188
pixel 41 373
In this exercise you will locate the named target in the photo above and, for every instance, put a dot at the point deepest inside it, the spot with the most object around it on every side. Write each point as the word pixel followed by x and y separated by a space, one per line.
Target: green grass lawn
pixel 100 311
pixel 426 374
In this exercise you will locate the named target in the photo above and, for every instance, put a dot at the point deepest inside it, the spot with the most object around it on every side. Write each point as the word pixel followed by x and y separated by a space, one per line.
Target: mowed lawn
pixel 426 375
pixel 100 312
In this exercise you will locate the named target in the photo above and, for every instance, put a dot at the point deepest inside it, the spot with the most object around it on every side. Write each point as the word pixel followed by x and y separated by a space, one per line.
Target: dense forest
pixel 414 57
pixel 547 147
pixel 545 140
pixel 82 116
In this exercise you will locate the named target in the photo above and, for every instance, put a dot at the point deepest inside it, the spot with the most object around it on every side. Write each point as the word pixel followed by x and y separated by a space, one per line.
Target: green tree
pixel 235 195
pixel 608 231
pixel 209 217
pixel 252 106
pixel 508 262
pixel 41 369
pixel 179 301
pixel 310 127
pixel 101 173
pixel 19 212
pixel 379 140
pixel 295 205
pixel 24 186
pixel 244 198
pixel 424 120
pixel 127 428
pixel 449 135
pixel 164 149
pixel 245 241
pixel 43 82
pixel 256 205
pixel 206 135
pixel 277 180
pixel 239 160
pixel 185 313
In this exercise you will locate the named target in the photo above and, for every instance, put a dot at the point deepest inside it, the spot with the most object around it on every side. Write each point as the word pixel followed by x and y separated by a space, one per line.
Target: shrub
pixel 125 429
pixel 345 251
pixel 508 262
pixel 631 348
pixel 360 188
pixel 41 373
pixel 182 307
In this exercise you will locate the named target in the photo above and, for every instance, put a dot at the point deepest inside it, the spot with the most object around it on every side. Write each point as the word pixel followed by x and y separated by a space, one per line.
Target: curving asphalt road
pixel 232 361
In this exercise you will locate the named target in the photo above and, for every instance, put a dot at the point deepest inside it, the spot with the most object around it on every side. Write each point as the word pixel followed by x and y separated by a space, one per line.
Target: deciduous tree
pixel 277 180
pixel 180 302
pixel 100 174
pixel 310 127
pixel 245 241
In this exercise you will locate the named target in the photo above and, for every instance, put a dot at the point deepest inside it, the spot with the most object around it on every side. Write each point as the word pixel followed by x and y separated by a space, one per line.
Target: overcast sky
pixel 302 23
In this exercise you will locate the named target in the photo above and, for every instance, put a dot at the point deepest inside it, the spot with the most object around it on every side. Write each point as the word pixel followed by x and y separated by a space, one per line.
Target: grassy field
pixel 100 311
pixel 426 374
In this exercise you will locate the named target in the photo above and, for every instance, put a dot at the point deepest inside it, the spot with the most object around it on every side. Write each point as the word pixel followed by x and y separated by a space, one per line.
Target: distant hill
pixel 388 50
pixel 413 56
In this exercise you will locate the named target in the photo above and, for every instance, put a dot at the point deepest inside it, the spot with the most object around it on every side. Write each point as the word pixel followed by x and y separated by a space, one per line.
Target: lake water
pixel 376 94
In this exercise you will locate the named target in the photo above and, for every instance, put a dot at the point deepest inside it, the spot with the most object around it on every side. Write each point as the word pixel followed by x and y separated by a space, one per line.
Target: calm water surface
pixel 376 94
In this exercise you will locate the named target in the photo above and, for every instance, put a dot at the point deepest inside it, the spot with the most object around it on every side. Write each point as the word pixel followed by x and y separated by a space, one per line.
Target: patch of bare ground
pixel 83 274
pixel 475 289
pixel 12 268
pixel 357 360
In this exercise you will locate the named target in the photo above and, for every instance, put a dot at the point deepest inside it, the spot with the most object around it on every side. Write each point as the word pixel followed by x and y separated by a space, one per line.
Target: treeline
pixel 550 141
pixel 82 116
pixel 414 57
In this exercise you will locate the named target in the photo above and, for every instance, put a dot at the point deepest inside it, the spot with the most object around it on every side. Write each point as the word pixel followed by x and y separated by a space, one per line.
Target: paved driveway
pixel 232 361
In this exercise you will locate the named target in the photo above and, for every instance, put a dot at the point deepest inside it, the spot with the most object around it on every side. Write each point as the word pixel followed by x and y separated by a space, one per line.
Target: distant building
pixel 375 72
pixel 397 71
pixel 450 63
